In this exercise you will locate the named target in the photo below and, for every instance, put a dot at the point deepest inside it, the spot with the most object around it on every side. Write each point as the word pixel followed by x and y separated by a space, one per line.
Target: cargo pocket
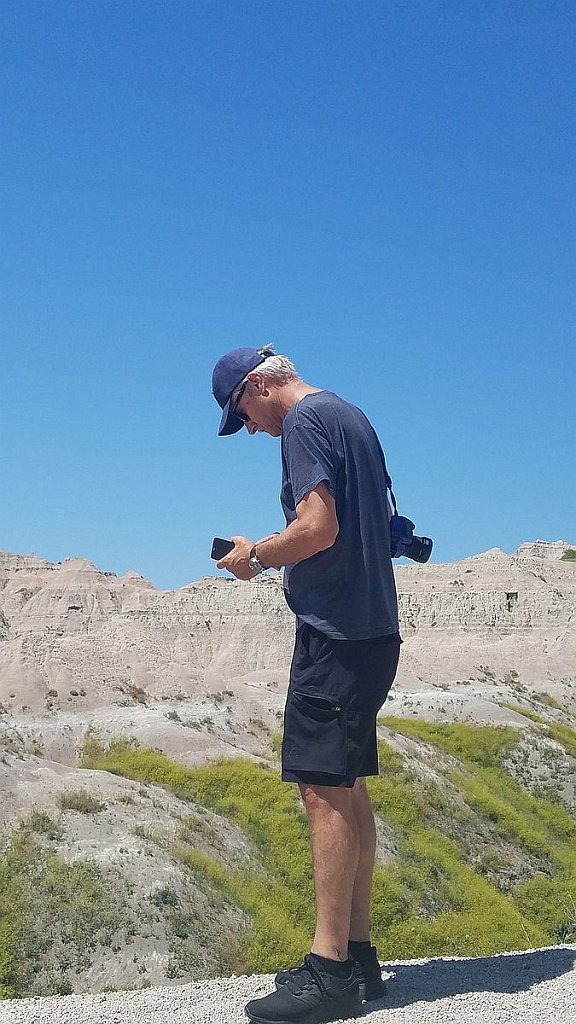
pixel 315 734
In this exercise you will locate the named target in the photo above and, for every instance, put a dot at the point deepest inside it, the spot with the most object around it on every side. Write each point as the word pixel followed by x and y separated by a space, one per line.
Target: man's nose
pixel 251 427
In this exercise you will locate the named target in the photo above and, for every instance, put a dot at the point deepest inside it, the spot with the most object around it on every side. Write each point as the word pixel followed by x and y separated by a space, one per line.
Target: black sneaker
pixel 368 969
pixel 309 995
pixel 372 985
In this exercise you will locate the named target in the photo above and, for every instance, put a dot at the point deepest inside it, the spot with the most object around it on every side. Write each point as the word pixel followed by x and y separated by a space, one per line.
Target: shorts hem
pixel 325 778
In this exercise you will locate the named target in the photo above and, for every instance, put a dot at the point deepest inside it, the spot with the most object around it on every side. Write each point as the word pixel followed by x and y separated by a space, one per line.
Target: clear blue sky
pixel 385 191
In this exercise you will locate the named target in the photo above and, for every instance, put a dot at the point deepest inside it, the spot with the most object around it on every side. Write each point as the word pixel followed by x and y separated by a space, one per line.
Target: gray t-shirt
pixel 348 591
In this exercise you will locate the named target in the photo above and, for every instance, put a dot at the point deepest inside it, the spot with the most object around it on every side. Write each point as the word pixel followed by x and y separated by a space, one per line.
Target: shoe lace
pixel 305 976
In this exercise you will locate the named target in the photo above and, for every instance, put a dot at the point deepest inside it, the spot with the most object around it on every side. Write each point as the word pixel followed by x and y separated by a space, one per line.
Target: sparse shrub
pixel 40 821
pixel 126 798
pixel 165 897
pixel 267 810
pixel 511 678
pixel 491 863
pixel 80 800
pixel 194 826
pixel 547 791
pixel 552 757
pixel 489 797
pixel 179 926
pixel 431 882
pixel 259 724
pixel 96 747
pixel 137 694
pixel 59 986
pixel 548 699
pixel 142 832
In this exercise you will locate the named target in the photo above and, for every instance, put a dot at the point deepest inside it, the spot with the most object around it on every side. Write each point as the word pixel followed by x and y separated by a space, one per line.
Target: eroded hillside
pixel 125 866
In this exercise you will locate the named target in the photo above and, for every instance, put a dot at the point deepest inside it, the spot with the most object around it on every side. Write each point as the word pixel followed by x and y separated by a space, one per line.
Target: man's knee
pixel 325 799
pixel 360 796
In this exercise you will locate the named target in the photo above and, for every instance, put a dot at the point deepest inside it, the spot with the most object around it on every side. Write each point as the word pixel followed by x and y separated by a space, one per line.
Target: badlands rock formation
pixel 81 648
pixel 201 672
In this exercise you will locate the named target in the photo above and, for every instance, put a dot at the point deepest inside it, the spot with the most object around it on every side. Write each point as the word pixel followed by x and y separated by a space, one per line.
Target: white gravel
pixel 535 987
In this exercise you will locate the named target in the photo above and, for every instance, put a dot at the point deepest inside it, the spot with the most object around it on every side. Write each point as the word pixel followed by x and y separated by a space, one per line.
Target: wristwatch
pixel 254 562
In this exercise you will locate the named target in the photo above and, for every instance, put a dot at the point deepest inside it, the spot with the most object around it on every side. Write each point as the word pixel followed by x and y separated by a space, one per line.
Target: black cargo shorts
pixel 336 689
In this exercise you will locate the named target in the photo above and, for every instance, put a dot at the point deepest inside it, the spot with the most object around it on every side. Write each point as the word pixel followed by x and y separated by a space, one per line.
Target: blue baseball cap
pixel 228 373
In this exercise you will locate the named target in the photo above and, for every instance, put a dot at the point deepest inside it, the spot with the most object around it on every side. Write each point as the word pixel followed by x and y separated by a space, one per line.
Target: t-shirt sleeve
pixel 309 460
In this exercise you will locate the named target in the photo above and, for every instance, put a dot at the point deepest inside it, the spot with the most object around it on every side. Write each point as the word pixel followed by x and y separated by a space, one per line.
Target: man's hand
pixel 236 561
pixel 314 529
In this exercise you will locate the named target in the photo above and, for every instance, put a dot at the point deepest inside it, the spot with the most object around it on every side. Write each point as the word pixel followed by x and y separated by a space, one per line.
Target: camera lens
pixel 419 549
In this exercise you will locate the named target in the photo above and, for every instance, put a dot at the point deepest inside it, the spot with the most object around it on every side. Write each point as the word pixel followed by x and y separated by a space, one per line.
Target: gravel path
pixel 536 987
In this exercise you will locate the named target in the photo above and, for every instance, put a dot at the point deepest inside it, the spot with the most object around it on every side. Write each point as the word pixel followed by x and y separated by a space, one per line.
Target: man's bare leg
pixel 362 891
pixel 335 854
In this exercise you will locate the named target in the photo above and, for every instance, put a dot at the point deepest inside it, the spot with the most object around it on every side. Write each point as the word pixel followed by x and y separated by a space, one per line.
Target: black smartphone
pixel 220 547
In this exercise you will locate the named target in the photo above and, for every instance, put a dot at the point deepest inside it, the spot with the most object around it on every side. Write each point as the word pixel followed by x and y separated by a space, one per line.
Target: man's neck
pixel 292 392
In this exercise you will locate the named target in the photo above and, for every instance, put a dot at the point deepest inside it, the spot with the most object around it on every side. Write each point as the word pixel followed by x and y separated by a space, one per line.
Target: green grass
pixel 280 902
pixel 551 902
pixel 40 895
pixel 546 698
pixel 540 826
pixel 435 897
pixel 443 906
pixel 526 712
pixel 563 735
pixel 429 902
pixel 485 746
pixel 569 555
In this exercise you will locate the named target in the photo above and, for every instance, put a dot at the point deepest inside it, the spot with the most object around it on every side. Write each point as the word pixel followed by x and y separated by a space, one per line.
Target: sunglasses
pixel 234 409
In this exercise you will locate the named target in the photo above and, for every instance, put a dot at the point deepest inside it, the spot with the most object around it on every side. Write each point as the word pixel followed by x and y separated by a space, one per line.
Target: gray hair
pixel 277 369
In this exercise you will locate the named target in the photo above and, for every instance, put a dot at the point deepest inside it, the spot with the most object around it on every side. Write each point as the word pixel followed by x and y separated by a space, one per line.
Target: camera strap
pixel 388 480
pixel 389 488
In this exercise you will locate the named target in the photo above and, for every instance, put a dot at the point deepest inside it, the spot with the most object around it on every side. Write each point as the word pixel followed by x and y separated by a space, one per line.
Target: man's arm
pixel 314 529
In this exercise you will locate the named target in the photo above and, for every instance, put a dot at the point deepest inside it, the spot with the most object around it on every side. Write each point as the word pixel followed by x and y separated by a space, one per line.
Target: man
pixel 338 581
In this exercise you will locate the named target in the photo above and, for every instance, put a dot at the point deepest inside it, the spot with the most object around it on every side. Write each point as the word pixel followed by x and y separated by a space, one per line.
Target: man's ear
pixel 258 382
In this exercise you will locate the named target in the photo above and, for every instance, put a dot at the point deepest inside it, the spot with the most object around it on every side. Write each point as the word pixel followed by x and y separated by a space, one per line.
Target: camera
pixel 404 542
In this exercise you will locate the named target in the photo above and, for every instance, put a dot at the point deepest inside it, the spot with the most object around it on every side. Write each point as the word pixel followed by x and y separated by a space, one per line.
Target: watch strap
pixel 255 562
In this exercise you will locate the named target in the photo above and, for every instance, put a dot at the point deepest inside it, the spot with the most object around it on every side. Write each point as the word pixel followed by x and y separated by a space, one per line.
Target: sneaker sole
pixel 372 990
pixel 310 1019
pixel 320 1016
